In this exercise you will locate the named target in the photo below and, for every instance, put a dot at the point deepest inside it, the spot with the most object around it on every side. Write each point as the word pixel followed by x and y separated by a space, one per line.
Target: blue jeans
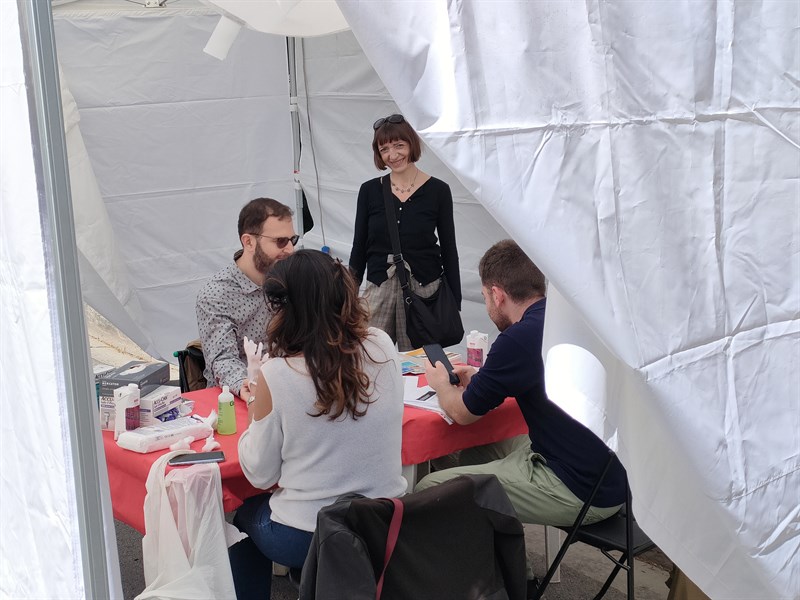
pixel 251 559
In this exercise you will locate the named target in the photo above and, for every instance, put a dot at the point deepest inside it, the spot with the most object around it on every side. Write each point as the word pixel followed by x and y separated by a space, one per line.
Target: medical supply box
pixel 162 399
pixel 146 375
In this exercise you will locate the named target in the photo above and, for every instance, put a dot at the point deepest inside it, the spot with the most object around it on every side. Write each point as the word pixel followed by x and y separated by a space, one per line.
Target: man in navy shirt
pixel 548 474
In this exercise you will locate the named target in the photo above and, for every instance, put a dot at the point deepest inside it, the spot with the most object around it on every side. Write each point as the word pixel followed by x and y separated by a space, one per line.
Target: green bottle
pixel 226 415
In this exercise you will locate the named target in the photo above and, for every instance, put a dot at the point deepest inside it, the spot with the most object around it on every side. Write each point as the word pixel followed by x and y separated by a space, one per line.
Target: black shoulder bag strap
pixel 394 235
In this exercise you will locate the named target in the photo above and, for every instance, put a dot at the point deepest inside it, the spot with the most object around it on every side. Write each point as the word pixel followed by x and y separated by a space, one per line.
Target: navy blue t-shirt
pixel 514 367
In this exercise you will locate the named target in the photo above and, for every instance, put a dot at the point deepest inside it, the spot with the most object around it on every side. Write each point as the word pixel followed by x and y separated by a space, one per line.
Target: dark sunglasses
pixel 390 119
pixel 280 242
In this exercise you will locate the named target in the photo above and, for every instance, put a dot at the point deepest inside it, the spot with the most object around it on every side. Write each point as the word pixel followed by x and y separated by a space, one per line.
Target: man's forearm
pixel 453 404
pixel 231 372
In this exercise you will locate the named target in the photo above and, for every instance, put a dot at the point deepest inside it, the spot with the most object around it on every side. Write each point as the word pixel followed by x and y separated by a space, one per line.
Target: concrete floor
pixel 583 571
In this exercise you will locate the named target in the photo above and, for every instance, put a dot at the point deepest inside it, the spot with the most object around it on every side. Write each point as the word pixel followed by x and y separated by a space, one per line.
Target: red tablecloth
pixel 425 436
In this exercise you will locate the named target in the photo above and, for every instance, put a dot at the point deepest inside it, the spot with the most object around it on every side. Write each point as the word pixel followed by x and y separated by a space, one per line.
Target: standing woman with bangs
pixel 424 209
pixel 325 416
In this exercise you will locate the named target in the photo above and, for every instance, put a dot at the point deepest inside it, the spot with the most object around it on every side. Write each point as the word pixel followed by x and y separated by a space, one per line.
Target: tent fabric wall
pixel 644 154
pixel 653 150
pixel 178 143
pixel 40 545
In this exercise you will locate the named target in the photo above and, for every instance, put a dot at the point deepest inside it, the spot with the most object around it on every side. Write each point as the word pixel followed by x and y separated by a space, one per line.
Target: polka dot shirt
pixel 229 307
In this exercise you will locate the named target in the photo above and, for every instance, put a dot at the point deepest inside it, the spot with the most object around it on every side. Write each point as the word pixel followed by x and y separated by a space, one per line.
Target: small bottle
pixel 477 348
pixel 226 415
pixel 126 409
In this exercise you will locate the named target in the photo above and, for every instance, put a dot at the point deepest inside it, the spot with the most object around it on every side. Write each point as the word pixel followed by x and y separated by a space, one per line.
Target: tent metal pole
pixel 70 336
pixel 295 116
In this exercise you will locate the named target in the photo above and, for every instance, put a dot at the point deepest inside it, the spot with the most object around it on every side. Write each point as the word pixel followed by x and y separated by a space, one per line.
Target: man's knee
pixel 435 479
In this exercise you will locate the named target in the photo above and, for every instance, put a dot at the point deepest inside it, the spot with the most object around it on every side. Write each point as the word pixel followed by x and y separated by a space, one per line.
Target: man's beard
pixel 500 320
pixel 262 261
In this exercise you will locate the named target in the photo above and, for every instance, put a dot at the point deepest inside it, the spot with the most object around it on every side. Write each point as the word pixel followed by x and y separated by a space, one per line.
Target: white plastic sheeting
pixel 40 537
pixel 646 156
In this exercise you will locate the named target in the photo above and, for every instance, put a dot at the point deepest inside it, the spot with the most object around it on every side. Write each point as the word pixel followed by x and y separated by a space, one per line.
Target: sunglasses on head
pixel 390 119
pixel 280 242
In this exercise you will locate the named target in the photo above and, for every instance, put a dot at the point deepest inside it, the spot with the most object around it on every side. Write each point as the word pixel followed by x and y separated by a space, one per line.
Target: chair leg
pixel 629 539
pixel 630 580
pixel 610 578
pixel 557 560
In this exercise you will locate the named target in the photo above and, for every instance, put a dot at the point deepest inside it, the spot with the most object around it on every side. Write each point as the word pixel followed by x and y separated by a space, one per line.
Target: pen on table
pixel 425 396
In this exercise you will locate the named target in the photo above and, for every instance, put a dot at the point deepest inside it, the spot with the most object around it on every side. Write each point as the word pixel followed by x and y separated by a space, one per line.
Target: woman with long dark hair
pixel 424 208
pixel 325 418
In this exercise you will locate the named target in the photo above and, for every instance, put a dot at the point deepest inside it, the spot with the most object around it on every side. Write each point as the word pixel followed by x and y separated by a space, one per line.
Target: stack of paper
pixel 418 357
pixel 423 397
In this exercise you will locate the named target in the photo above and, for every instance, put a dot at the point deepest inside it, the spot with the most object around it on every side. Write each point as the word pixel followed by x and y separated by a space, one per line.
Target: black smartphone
pixel 195 458
pixel 435 353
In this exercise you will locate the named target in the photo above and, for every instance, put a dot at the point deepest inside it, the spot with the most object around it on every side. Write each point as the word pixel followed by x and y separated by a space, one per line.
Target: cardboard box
pixel 157 402
pixel 146 375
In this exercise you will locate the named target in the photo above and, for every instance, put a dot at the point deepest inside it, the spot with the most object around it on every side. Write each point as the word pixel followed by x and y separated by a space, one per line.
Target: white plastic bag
pixel 184 547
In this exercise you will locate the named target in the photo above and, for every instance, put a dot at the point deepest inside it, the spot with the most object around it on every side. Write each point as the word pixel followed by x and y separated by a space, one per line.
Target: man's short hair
pixel 506 266
pixel 255 212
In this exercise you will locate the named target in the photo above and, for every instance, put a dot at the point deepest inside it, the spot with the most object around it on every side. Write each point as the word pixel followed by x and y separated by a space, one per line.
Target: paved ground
pixel 583 570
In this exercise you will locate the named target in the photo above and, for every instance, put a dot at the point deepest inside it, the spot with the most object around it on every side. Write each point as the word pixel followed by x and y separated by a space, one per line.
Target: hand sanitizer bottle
pixel 477 348
pixel 226 415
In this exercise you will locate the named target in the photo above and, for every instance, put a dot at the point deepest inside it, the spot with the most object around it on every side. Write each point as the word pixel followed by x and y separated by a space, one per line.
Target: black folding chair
pixel 619 533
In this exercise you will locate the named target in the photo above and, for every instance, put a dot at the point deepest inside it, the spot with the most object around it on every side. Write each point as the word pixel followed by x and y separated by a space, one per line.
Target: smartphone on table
pixel 195 458
pixel 435 353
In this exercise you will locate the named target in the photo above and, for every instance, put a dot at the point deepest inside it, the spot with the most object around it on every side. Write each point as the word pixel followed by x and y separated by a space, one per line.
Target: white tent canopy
pixel 644 154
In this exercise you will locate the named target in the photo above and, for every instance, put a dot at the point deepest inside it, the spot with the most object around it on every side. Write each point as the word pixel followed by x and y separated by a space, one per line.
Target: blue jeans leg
pixel 251 559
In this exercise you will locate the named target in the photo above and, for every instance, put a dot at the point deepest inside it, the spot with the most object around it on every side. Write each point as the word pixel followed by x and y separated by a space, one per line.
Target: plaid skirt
pixel 386 304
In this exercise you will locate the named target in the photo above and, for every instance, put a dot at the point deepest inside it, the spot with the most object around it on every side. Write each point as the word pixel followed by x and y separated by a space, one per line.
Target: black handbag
pixel 433 320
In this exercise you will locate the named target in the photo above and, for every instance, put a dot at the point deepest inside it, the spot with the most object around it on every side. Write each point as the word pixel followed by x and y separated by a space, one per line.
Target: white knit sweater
pixel 315 460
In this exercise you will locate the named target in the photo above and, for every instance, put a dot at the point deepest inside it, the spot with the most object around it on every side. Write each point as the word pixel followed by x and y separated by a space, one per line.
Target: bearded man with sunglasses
pixel 231 305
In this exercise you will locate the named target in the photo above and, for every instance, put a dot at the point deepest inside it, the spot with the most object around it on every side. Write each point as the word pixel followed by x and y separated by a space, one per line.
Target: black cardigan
pixel 428 211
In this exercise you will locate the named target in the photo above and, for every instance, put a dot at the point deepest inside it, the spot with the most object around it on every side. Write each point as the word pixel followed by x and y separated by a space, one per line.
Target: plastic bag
pixel 185 547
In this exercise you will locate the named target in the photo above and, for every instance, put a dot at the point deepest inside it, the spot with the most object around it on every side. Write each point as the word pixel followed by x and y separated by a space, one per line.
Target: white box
pixel 157 402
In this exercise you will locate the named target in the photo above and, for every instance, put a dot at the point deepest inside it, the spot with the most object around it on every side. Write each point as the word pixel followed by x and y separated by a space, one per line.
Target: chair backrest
pixel 191 364
pixel 460 539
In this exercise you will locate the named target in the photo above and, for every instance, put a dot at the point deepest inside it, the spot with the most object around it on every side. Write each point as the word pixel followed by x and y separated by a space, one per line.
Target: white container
pixel 126 409
pixel 477 348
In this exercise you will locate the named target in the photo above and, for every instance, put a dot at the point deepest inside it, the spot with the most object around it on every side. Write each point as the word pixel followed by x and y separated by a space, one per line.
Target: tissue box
pixel 147 375
pixel 157 402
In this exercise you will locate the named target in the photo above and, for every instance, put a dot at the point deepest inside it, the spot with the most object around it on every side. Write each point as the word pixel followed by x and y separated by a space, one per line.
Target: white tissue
pixel 211 444
pixel 210 420
pixel 162 434
pixel 255 358
pixel 182 444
